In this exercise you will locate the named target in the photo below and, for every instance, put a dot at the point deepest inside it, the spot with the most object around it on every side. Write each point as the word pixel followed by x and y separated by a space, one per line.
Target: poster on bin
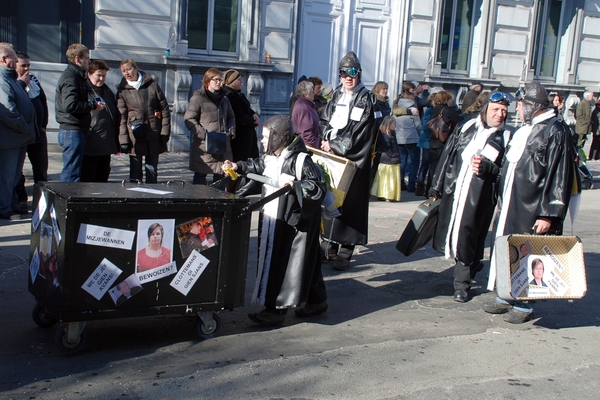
pixel 187 276
pixel 101 279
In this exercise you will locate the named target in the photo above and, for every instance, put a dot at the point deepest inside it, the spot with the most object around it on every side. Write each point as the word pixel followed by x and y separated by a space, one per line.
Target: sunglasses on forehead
pixel 499 97
pixel 351 72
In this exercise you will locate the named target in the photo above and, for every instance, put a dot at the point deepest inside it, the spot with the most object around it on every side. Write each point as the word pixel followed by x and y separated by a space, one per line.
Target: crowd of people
pixel 482 163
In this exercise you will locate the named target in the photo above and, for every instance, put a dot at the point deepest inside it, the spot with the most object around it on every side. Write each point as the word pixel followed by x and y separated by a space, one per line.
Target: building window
pixel 547 38
pixel 456 34
pixel 45 36
pixel 213 25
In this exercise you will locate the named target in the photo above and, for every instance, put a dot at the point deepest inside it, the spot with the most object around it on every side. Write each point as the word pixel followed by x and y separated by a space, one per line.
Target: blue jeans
pixel 409 163
pixel 424 166
pixel 11 165
pixel 151 166
pixel 73 143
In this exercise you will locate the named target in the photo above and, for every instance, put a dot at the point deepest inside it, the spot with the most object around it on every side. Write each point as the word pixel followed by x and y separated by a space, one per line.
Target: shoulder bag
pixel 439 128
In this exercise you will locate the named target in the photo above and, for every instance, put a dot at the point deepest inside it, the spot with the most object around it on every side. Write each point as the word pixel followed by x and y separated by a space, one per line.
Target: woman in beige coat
pixel 209 110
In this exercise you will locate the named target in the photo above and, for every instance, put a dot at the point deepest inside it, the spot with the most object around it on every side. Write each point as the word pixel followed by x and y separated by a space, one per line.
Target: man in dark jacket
pixel 468 199
pixel 73 111
pixel 38 151
pixel 348 129
pixel 17 130
pixel 536 182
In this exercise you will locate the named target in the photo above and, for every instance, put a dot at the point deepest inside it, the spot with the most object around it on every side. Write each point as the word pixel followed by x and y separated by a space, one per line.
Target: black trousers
pixel 95 168
pixel 464 273
pixel 38 156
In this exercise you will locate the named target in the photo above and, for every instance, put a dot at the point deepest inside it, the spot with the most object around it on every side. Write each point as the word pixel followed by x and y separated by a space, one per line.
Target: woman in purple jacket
pixel 305 117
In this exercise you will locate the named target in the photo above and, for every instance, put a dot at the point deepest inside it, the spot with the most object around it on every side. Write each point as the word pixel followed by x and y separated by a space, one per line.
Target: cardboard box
pixel 556 260
pixel 340 170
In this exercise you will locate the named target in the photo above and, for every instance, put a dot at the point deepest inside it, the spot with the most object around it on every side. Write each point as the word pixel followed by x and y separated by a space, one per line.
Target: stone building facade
pixel 447 43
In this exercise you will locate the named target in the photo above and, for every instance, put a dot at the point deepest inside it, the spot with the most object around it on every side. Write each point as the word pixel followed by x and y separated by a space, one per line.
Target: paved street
pixel 392 331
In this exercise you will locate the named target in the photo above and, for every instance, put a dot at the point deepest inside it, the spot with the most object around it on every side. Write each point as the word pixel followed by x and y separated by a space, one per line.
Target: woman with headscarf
pixel 209 110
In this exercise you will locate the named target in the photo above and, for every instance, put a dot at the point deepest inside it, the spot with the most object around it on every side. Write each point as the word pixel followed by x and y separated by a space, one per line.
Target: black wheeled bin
pixel 93 255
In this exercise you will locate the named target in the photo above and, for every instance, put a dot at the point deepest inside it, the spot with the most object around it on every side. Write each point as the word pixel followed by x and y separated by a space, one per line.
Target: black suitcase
pixel 420 228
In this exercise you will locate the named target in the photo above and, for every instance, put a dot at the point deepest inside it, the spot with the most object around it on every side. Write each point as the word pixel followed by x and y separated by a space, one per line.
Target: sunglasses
pixel 351 72
pixel 499 97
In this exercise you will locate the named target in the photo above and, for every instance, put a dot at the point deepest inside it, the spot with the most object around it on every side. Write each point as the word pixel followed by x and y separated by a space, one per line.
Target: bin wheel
pixel 69 348
pixel 42 317
pixel 208 330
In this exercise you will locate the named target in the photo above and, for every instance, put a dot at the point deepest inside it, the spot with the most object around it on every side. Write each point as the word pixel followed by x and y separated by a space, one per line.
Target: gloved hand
pixel 164 139
pixel 125 148
pixel 434 194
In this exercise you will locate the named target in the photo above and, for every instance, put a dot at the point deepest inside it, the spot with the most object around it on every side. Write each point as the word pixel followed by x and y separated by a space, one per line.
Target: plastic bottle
pixel 167 52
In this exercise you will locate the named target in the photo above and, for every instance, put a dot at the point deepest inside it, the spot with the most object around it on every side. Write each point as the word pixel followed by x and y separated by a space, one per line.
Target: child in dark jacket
pixel 386 185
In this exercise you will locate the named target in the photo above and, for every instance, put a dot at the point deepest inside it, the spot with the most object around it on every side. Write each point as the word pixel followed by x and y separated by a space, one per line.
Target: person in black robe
pixel 347 128
pixel 536 183
pixel 468 198
pixel 289 265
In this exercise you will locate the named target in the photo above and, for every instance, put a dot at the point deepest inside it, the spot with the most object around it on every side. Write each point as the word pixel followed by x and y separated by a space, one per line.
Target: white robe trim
pixel 272 170
pixel 463 182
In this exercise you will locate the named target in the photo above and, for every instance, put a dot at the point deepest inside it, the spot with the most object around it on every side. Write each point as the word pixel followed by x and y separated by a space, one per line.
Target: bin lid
pixel 116 191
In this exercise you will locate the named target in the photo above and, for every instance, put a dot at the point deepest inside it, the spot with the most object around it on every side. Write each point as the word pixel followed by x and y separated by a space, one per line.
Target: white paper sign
pixel 38 214
pixel 101 279
pixel 34 266
pixel 57 234
pixel 157 273
pixel 356 114
pixel 557 284
pixel 148 190
pixel 547 250
pixel 190 272
pixel 519 281
pixel 107 237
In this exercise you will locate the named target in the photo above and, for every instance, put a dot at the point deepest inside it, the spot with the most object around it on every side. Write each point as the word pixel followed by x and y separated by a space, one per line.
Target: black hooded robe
pixel 294 266
pixel 354 142
pixel 481 199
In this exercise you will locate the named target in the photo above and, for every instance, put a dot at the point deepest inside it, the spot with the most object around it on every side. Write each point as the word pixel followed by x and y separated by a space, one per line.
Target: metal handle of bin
pixel 258 204
pixel 220 182
pixel 172 181
pixel 128 180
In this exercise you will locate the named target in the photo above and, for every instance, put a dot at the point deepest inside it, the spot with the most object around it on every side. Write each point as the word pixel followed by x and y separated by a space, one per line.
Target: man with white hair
pixel 583 116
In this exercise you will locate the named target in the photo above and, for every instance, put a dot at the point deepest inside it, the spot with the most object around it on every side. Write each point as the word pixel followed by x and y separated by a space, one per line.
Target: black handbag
pixel 216 142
